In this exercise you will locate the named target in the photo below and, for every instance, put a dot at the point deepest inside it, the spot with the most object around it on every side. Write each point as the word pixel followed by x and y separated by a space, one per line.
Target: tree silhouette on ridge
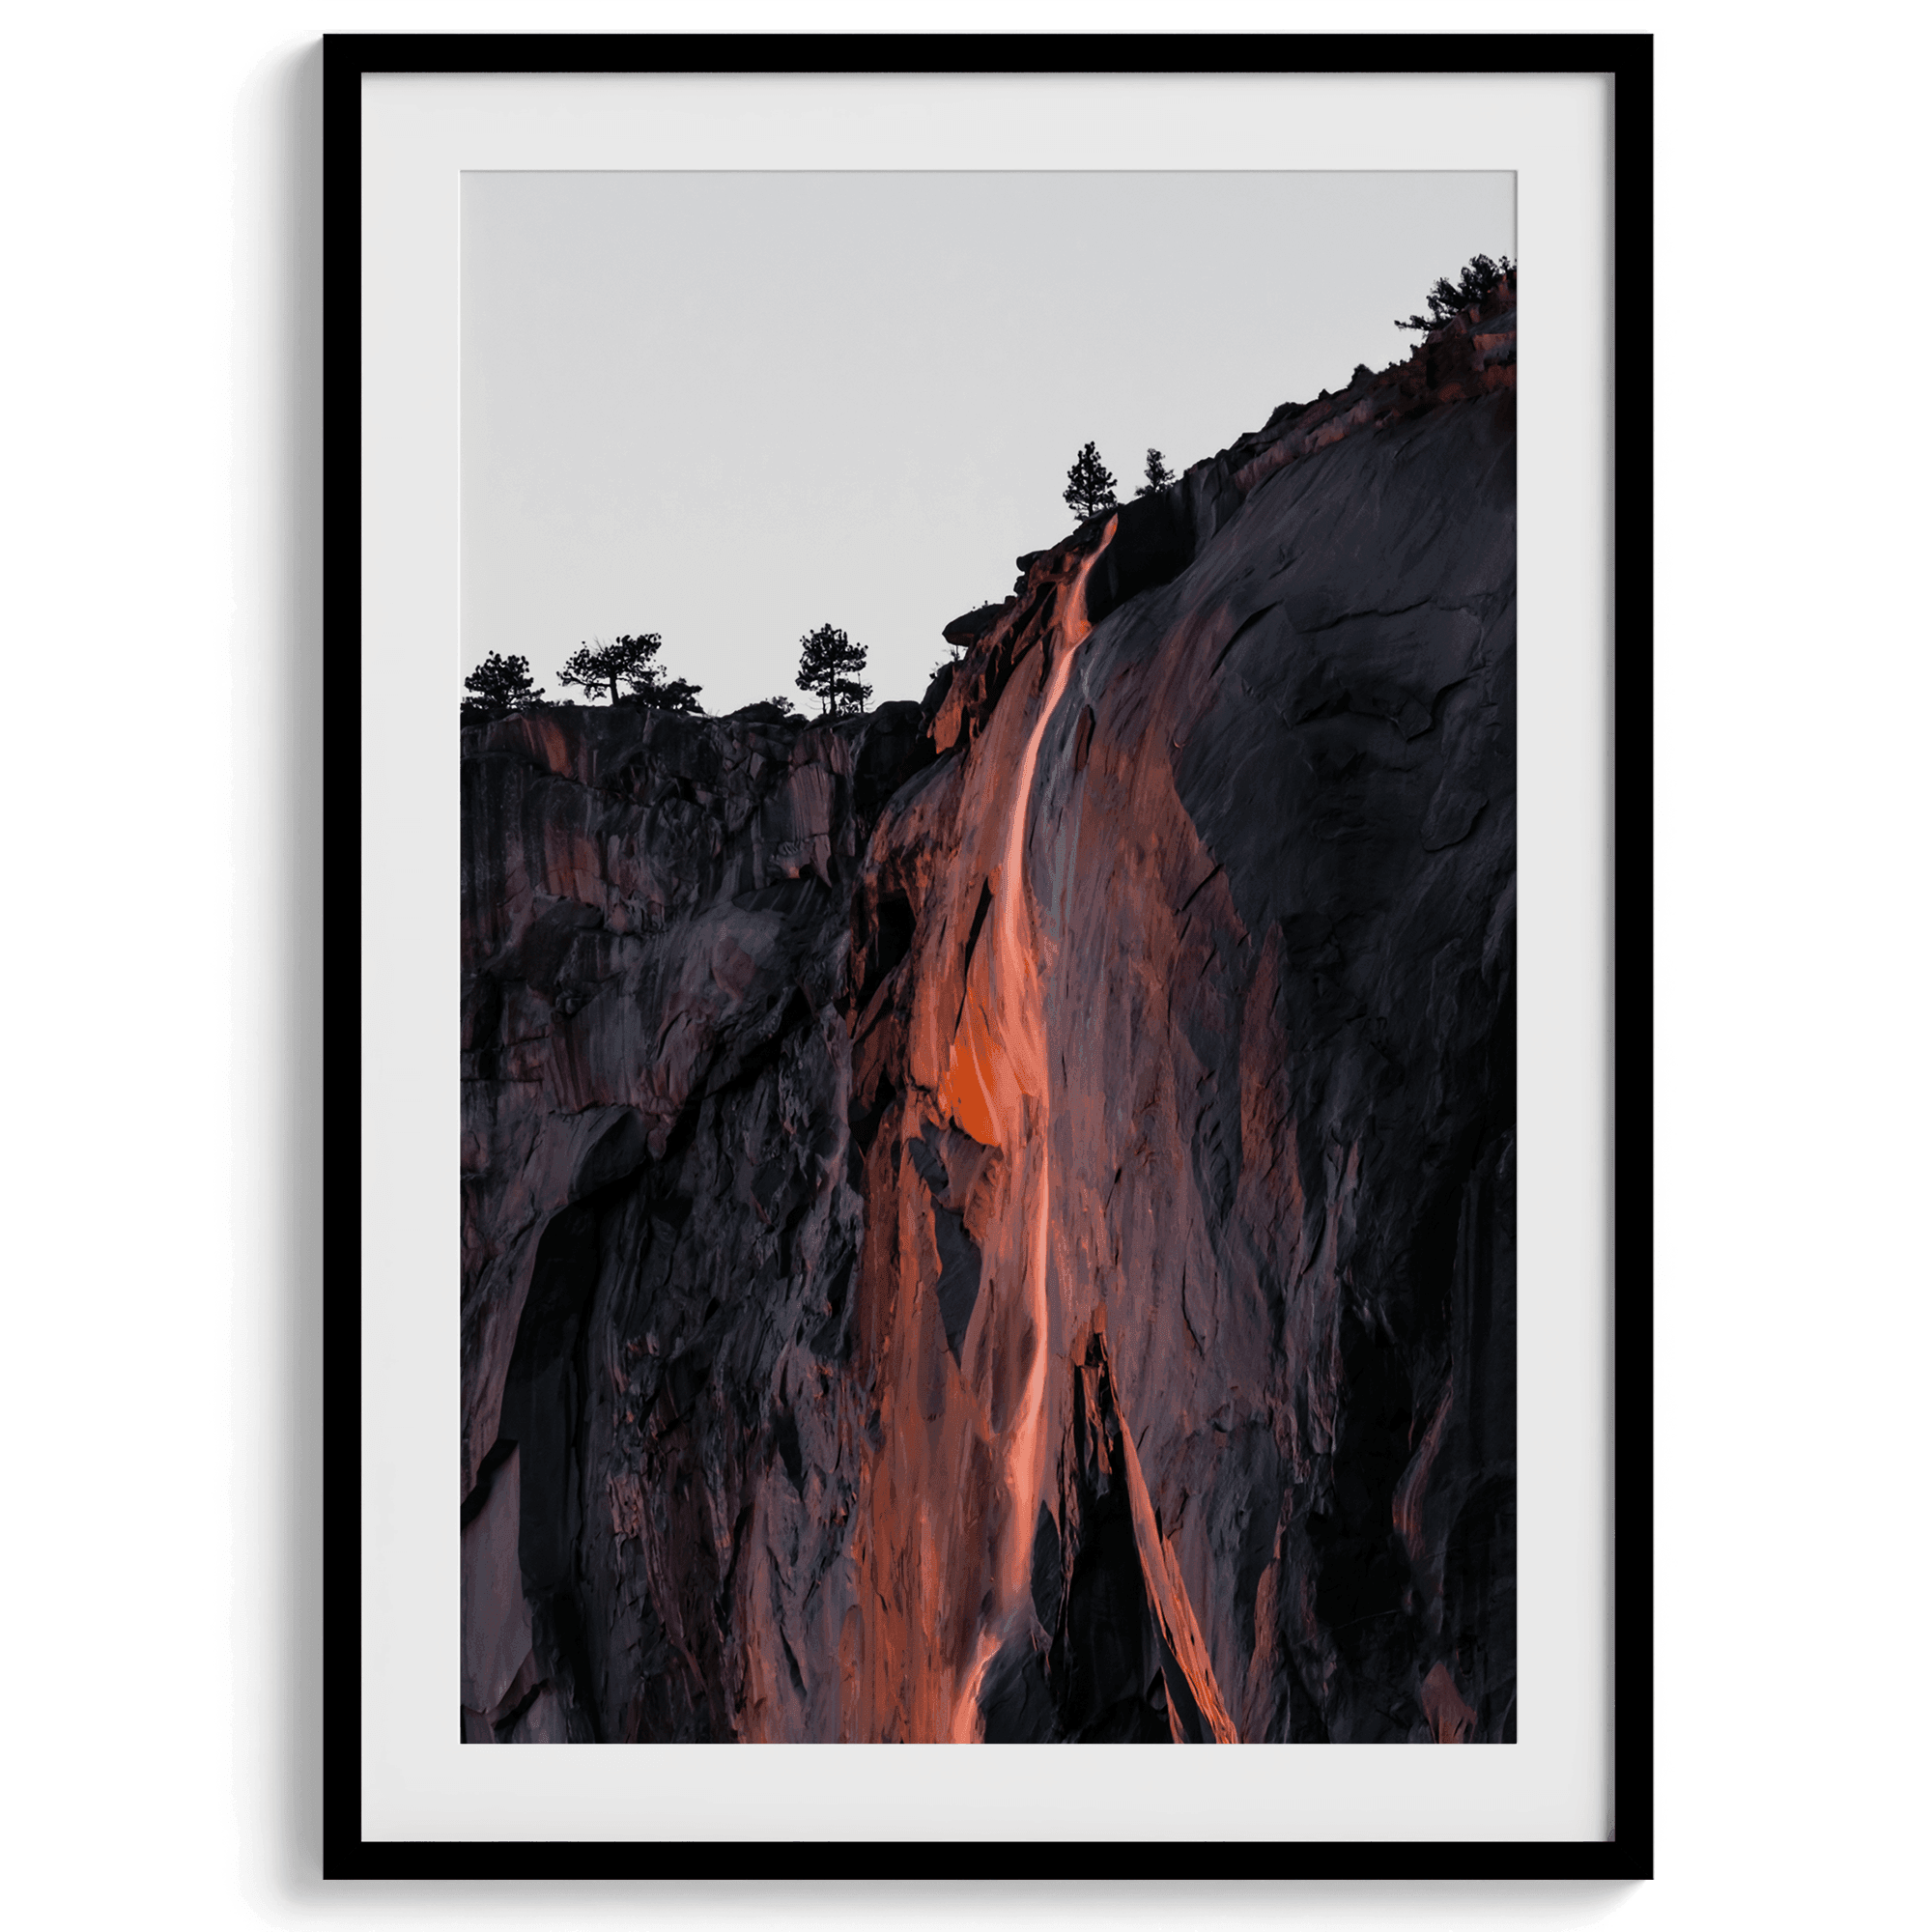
pixel 1479 278
pixel 497 687
pixel 599 669
pixel 829 664
pixel 1090 485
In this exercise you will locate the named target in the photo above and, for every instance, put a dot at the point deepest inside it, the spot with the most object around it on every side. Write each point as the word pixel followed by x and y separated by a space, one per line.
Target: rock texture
pixel 995 1219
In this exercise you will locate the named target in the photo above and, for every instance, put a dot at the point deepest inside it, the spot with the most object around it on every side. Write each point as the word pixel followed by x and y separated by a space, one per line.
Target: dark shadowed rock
pixel 974 625
pixel 765 712
pixel 936 691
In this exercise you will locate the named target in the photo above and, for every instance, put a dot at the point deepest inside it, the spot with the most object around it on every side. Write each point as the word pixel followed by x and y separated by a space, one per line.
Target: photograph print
pixel 988 889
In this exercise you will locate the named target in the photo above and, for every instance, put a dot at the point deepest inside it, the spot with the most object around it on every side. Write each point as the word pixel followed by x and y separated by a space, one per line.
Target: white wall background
pixel 158 575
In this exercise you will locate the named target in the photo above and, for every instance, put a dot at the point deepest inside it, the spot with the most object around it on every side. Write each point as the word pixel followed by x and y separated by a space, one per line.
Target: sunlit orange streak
pixel 996 1064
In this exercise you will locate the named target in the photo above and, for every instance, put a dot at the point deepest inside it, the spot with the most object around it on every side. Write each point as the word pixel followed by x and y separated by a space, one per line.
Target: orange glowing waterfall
pixel 996 1090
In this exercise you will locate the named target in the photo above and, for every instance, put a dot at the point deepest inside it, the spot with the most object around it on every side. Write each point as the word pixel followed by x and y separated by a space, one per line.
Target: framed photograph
pixel 935 1142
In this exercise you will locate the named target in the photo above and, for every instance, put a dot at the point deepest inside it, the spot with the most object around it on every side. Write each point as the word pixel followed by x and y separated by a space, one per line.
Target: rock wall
pixel 996 1219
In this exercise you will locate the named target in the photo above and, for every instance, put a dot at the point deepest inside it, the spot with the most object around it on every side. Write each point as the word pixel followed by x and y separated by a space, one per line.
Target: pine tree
pixel 829 664
pixel 497 687
pixel 1090 485
pixel 599 669
pixel 1479 277
pixel 1158 474
pixel 674 694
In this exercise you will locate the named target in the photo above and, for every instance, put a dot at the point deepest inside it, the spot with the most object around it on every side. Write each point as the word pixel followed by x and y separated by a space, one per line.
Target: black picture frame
pixel 1627 59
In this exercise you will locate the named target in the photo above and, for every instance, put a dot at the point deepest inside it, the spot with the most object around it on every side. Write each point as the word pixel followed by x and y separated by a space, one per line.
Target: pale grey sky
pixel 729 408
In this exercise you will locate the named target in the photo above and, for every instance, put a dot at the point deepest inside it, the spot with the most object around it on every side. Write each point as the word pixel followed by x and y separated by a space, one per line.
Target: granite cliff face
pixel 995 1219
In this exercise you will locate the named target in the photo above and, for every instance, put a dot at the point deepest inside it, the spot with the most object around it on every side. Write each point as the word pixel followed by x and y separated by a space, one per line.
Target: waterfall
pixel 996 1088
